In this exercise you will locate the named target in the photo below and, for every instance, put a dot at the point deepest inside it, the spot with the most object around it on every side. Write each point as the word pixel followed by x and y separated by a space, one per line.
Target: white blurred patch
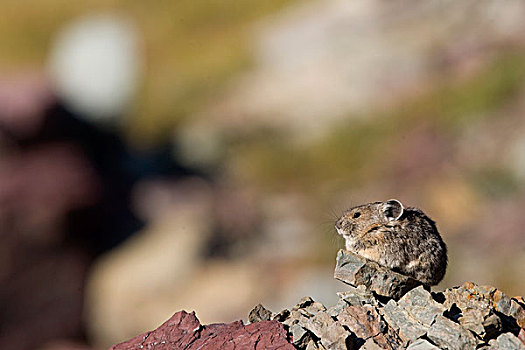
pixel 94 65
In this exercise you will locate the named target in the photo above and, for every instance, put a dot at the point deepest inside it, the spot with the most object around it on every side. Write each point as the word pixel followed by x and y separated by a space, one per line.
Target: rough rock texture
pixel 465 317
pixel 383 309
pixel 356 270
pixel 259 313
pixel 184 331
pixel 506 341
pixel 368 316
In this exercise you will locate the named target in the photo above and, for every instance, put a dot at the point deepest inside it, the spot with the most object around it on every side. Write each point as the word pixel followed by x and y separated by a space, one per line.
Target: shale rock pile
pixel 381 309
pixel 465 317
pixel 388 310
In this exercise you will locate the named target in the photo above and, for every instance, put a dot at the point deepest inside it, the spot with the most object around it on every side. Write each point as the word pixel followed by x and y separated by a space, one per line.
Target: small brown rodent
pixel 402 239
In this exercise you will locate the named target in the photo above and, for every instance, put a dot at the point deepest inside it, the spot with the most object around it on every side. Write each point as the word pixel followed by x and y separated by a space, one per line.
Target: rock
pixel 370 344
pixel 312 345
pixel 184 331
pixel 355 270
pixel 408 328
pixel 337 308
pixel 259 313
pixel 300 336
pixel 464 317
pixel 468 306
pixel 470 294
pixel 358 296
pixel 366 323
pixel 331 333
pixel 507 341
pixel 419 305
pixel 449 335
pixel 521 335
pixel 518 312
pixel 314 308
pixel 422 344
pixel 413 314
pixel 363 321
pixel 500 301
pixel 304 302
pixel 485 310
pixel 309 319
pixel 482 322
pixel 282 316
pixel 492 326
pixel 296 317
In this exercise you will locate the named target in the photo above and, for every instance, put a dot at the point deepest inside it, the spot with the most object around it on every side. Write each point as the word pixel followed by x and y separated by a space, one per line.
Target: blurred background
pixel 194 154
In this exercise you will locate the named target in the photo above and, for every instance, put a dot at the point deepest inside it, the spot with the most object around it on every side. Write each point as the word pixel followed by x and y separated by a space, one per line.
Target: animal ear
pixel 392 209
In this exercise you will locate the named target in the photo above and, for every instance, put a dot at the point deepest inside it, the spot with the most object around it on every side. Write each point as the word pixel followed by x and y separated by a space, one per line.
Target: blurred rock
pixel 184 331
pixel 355 270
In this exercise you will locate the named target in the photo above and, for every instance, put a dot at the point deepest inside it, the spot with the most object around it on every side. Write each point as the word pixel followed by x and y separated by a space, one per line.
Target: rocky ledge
pixel 380 310
pixel 465 317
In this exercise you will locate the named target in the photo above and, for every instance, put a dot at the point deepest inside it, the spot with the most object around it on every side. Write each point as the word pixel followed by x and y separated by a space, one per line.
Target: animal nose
pixel 339 223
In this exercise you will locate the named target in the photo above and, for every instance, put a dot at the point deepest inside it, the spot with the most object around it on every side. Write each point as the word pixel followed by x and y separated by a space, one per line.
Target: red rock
pixel 184 331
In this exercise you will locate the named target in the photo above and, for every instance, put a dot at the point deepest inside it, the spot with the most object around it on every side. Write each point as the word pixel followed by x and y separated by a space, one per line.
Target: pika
pixel 402 239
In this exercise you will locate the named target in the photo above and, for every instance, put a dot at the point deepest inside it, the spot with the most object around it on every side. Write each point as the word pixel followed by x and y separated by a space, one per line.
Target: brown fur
pixel 409 244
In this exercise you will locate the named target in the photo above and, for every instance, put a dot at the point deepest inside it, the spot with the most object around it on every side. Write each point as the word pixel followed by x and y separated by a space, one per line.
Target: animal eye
pixel 357 214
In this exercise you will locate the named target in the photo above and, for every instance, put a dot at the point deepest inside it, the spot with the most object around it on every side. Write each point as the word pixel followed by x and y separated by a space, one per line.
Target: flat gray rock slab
pixel 356 270
pixel 420 306
pixel 447 334
pixel 407 327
